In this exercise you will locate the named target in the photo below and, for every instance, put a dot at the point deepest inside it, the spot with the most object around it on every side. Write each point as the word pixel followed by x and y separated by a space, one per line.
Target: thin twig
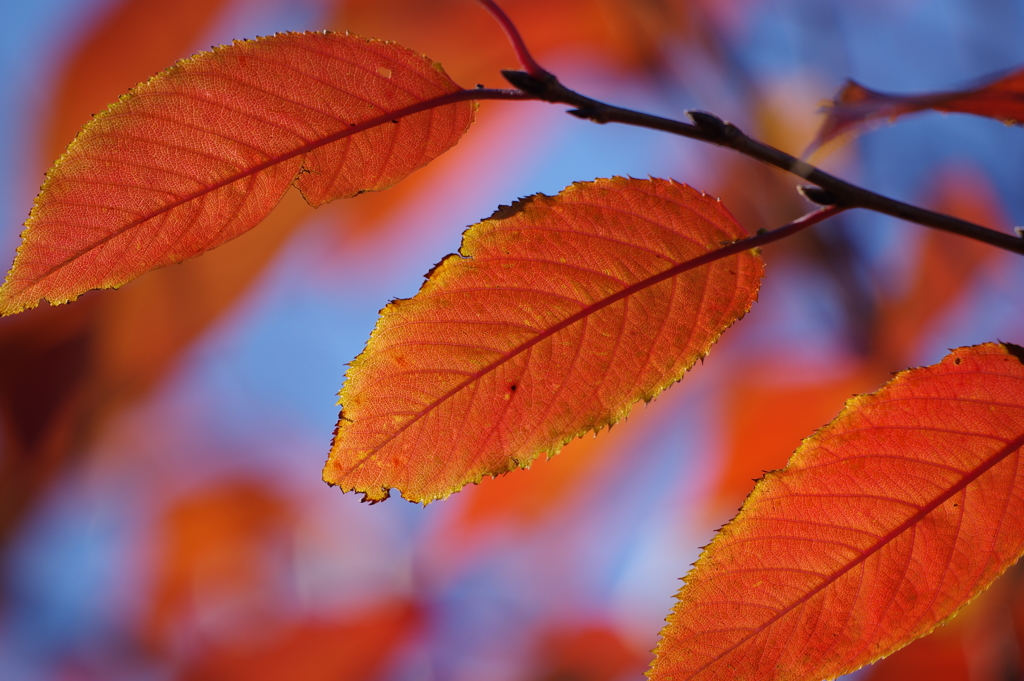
pixel 763 238
pixel 709 128
pixel 526 59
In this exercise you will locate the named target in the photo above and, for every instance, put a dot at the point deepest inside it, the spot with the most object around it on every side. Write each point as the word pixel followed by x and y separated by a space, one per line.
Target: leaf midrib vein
pixel 910 522
pixel 546 333
pixel 294 153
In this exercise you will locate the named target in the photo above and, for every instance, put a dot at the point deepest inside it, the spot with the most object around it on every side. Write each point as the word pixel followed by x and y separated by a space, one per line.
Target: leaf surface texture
pixel 883 524
pixel 203 151
pixel 558 314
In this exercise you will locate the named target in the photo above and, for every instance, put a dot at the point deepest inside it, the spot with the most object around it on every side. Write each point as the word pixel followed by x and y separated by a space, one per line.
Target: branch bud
pixel 708 122
pixel 526 82
pixel 817 195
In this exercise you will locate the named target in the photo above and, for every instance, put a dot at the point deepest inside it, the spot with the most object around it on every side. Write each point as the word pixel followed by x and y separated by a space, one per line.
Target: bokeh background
pixel 161 510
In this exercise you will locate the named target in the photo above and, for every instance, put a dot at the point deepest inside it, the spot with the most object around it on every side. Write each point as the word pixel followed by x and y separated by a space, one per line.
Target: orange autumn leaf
pixel 110 350
pixel 977 645
pixel 855 106
pixel 555 317
pixel 883 525
pixel 203 151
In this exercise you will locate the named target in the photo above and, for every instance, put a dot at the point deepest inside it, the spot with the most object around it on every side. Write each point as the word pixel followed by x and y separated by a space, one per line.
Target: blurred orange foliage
pixel 590 653
pixel 353 649
pixel 217 562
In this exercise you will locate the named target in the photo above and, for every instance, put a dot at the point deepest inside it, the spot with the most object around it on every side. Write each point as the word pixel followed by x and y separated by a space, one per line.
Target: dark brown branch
pixel 709 128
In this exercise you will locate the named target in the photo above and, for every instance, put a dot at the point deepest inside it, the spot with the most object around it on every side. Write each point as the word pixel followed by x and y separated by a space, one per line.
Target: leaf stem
pixel 713 130
pixel 526 60
pixel 764 237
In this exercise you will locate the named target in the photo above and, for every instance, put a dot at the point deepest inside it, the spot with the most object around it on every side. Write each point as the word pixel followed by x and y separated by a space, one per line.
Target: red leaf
pixel 977 645
pixel 883 525
pixel 855 106
pixel 202 152
pixel 557 315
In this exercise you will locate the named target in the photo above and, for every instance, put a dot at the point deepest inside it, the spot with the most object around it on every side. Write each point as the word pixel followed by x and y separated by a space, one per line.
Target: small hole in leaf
pixel 956 361
pixel 383 71
pixel 513 387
